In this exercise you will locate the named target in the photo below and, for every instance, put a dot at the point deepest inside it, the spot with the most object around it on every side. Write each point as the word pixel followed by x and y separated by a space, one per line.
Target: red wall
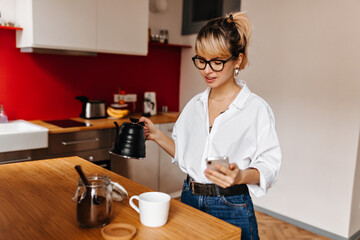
pixel 43 86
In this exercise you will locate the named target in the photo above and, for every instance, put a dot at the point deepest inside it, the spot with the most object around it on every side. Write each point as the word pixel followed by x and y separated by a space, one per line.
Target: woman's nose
pixel 208 69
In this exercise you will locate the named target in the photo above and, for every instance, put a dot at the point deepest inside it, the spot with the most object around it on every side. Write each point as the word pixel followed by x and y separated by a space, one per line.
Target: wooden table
pixel 35 203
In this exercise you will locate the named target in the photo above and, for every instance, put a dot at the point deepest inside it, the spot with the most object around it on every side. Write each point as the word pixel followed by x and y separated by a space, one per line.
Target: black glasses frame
pixel 208 62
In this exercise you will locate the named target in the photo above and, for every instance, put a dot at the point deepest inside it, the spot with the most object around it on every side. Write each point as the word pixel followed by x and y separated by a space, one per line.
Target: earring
pixel 236 72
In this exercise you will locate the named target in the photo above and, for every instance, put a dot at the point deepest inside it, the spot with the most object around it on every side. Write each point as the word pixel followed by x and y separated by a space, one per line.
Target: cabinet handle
pixel 28 158
pixel 80 141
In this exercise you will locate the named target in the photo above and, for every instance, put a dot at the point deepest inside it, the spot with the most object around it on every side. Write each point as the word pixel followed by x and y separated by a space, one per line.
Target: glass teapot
pixel 94 203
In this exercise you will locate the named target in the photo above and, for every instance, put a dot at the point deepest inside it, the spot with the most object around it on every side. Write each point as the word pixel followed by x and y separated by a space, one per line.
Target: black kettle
pixel 130 140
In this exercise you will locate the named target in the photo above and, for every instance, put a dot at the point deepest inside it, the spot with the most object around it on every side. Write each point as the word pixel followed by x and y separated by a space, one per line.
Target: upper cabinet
pixel 111 26
pixel 56 24
pixel 122 26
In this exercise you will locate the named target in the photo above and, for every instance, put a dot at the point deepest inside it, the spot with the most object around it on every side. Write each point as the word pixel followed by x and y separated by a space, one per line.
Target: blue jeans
pixel 237 210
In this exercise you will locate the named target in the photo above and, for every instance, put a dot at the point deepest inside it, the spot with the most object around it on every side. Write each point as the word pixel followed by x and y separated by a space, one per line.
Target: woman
pixel 226 120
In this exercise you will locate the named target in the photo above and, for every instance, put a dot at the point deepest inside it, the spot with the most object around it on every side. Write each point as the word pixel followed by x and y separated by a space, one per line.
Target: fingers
pixel 222 169
pixel 218 178
pixel 148 123
pixel 150 131
pixel 146 129
pixel 223 176
pixel 144 120
pixel 146 132
pixel 233 166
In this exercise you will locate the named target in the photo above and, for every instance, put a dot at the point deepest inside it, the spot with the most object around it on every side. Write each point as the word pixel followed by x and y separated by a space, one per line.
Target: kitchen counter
pixel 36 204
pixel 103 122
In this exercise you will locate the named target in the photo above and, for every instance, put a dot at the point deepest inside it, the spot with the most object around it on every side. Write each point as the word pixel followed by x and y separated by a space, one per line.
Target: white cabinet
pixel 143 171
pixel 122 29
pixel 56 24
pixel 111 26
pixel 156 171
pixel 171 177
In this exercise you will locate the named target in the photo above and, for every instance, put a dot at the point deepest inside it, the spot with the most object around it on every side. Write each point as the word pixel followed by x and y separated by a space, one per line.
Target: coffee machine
pixel 150 103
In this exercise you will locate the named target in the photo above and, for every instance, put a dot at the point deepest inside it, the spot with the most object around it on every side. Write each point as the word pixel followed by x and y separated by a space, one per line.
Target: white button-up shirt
pixel 245 133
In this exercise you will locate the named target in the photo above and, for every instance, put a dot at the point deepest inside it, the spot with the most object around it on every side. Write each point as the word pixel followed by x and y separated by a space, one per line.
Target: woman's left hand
pixel 225 177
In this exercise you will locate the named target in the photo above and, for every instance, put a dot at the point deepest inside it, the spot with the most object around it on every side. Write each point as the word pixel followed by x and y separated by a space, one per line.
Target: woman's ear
pixel 239 60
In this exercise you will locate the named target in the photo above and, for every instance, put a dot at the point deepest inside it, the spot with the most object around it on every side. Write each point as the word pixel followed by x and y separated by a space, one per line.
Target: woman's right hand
pixel 151 132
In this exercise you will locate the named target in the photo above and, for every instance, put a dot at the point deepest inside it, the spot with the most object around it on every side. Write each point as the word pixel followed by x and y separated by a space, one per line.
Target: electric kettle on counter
pixel 130 140
pixel 92 109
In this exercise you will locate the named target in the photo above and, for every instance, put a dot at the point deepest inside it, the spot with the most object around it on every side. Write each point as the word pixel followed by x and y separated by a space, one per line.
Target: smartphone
pixel 211 161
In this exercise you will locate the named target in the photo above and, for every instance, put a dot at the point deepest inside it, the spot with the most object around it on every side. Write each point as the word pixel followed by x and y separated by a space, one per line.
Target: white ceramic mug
pixel 153 208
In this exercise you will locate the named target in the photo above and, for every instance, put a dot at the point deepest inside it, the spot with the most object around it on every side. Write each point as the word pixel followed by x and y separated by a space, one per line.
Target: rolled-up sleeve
pixel 267 160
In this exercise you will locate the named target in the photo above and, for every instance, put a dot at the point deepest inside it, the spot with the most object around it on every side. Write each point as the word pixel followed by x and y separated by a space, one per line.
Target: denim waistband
pixel 210 189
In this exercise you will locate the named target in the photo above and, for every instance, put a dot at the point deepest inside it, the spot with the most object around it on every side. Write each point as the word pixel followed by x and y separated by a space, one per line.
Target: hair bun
pixel 230 19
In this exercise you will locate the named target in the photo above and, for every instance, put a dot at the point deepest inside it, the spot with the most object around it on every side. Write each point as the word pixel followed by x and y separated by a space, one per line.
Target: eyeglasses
pixel 215 65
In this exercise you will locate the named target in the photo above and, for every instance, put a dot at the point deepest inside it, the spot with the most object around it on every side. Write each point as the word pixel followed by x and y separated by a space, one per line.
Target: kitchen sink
pixel 20 135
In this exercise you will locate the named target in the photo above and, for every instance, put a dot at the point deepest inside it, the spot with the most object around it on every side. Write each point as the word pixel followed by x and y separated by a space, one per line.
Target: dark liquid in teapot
pixel 93 211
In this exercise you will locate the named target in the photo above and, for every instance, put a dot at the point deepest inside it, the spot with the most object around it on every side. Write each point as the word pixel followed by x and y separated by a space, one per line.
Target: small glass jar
pixel 164 36
pixel 94 203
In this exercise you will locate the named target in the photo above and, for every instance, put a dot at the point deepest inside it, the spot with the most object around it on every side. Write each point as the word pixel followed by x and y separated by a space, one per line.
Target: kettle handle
pixel 84 100
pixel 117 130
pixel 136 121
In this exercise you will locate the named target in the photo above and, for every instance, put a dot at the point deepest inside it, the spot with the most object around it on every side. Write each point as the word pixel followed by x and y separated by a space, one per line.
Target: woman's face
pixel 215 79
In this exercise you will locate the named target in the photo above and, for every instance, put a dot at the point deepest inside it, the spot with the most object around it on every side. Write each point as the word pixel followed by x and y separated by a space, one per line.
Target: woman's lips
pixel 209 79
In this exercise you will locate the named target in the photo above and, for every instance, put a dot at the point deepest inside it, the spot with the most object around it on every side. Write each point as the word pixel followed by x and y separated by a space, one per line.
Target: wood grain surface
pixel 104 122
pixel 35 203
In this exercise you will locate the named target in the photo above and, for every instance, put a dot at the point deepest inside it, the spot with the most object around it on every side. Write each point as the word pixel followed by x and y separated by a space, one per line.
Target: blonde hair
pixel 225 36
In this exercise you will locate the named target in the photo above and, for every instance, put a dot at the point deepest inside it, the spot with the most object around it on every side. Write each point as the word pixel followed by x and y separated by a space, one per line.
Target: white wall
pixel 305 58
pixel 304 61
pixel 170 19
pixel 190 81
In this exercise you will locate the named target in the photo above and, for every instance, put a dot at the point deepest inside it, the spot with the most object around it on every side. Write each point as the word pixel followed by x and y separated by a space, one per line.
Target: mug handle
pixel 132 204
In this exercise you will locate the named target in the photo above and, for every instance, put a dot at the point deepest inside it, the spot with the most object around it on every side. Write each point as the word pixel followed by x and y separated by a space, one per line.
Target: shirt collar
pixel 243 95
pixel 239 100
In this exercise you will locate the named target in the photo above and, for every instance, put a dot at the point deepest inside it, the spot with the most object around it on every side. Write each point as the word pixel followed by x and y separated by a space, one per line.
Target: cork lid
pixel 118 231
